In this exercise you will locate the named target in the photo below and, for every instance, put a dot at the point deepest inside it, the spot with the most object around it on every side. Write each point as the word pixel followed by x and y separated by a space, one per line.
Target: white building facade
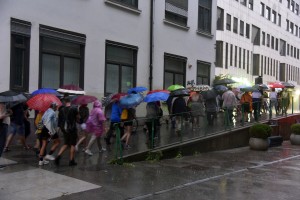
pixel 259 38
pixel 106 46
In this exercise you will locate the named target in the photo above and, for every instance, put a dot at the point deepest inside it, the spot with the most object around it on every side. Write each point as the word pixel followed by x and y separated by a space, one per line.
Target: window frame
pixel 209 13
pixel 201 75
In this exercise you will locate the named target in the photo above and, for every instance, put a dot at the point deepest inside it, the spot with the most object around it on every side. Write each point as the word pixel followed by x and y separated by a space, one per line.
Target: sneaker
pixel 88 152
pixel 6 149
pixel 72 163
pixel 43 162
pixel 103 149
pixel 49 157
pixel 2 167
pixel 83 149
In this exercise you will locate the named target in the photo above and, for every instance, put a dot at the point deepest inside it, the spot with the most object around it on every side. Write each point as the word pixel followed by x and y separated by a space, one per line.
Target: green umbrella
pixel 175 87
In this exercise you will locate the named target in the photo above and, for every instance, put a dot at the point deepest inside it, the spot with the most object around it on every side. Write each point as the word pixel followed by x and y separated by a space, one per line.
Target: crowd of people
pixel 73 121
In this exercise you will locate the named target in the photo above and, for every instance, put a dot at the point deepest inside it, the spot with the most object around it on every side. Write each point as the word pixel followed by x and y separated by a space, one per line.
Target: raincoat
pixel 94 123
pixel 49 120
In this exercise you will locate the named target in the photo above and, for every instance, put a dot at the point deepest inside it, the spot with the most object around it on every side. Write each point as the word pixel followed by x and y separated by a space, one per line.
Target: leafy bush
pixel 262 131
pixel 295 128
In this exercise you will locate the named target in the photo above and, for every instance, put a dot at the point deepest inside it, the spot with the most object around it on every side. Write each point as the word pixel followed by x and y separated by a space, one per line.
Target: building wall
pixel 101 21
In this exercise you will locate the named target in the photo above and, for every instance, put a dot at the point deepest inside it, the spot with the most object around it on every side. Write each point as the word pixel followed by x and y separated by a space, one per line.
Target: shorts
pixel 16 129
pixel 44 135
pixel 70 138
pixel 128 123
pixel 246 107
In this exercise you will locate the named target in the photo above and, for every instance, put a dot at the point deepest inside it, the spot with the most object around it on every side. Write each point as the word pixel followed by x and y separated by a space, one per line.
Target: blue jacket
pixel 116 112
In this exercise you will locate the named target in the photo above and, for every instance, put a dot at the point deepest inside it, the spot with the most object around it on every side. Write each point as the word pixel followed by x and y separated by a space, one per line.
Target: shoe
pixel 6 149
pixel 76 148
pixel 88 152
pixel 2 167
pixel 57 160
pixel 43 162
pixel 83 149
pixel 72 163
pixel 49 157
pixel 127 146
pixel 102 150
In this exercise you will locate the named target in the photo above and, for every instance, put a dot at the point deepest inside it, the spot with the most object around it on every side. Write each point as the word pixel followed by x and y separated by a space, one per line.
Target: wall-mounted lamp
pixel 190 66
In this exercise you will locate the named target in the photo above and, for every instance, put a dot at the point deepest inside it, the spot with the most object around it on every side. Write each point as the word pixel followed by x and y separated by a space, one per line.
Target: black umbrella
pixel 180 92
pixel 224 81
pixel 287 85
pixel 210 94
pixel 11 96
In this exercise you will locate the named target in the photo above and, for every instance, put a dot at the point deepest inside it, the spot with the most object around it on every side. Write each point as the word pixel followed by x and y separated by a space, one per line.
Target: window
pixel 235 56
pixel 120 69
pixel 288 50
pixel 231 54
pixel 262 9
pixel 287 25
pixel 261 64
pixel 296 30
pixel 220 20
pixel 265 66
pixel 203 73
pixel 273 18
pixel 250 4
pixel 292 7
pixel 219 54
pixel 255 35
pixel 130 3
pixel 19 57
pixel 276 45
pixel 241 28
pixel 244 2
pixel 226 56
pixel 248 61
pixel 263 35
pixel 61 57
pixel 240 57
pixel 247 31
pixel 297 9
pixel 176 11
pixel 255 69
pixel 235 25
pixel 244 59
pixel 292 28
pixel 174 72
pixel 228 22
pixel 279 20
pixel 268 13
pixel 282 47
pixel 288 3
pixel 204 15
pixel 272 42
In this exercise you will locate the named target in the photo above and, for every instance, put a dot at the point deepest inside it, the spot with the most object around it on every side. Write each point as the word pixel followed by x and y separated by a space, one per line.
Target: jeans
pixel 3 131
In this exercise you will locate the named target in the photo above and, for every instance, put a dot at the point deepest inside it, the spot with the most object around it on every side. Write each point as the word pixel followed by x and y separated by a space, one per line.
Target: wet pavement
pixel 238 173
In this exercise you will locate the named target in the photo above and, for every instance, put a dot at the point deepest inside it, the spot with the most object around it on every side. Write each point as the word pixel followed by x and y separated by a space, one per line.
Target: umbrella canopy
pixel 136 90
pixel 106 100
pixel 42 102
pixel 11 96
pixel 156 96
pixel 131 100
pixel 248 89
pixel 84 99
pixel 180 92
pixel 210 94
pixel 276 85
pixel 261 86
pixel 224 81
pixel 220 88
pixel 287 85
pixel 118 96
pixel 175 87
pixel 199 88
pixel 153 91
pixel 70 89
pixel 45 91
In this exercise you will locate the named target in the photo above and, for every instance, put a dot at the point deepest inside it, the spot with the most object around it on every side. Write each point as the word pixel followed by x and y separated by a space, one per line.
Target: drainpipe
pixel 151 46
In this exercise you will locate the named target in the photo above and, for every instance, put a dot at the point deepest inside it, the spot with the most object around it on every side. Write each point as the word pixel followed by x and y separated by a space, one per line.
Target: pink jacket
pixel 94 123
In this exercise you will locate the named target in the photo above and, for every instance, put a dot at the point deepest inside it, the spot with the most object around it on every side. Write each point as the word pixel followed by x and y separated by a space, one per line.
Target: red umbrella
pixel 276 85
pixel 118 96
pixel 70 89
pixel 153 91
pixel 42 102
pixel 84 99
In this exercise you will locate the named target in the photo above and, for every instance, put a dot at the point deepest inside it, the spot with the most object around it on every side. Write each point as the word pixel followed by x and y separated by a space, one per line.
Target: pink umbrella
pixel 84 99
pixel 276 85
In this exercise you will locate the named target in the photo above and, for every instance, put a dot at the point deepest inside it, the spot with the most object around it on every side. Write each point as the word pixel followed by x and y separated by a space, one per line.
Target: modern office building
pixel 106 46
pixel 259 38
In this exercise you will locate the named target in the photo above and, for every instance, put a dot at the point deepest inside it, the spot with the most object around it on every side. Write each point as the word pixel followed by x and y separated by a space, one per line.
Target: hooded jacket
pixel 94 123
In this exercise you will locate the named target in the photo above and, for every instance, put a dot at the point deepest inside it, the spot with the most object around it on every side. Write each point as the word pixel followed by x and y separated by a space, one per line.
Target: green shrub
pixel 295 128
pixel 262 131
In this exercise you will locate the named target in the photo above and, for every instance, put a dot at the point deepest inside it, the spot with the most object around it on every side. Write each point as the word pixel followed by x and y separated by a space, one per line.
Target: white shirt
pixel 273 95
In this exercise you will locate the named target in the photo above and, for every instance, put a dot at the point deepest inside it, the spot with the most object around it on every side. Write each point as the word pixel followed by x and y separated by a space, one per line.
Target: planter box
pixel 258 144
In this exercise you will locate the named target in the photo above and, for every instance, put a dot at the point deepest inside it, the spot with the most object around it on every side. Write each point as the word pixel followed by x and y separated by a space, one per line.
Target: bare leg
pixel 72 152
pixel 9 139
pixel 62 149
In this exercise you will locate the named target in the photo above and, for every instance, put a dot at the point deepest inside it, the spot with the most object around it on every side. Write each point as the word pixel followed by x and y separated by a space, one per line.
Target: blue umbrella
pixel 136 90
pixel 131 100
pixel 220 88
pixel 45 91
pixel 156 96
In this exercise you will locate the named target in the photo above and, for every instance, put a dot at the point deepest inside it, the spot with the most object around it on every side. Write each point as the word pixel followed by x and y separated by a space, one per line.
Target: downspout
pixel 151 46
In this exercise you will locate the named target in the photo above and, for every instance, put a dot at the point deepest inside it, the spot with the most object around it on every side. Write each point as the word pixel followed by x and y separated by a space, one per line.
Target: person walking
pixel 229 103
pixel 83 116
pixel 49 131
pixel 4 122
pixel 285 100
pixel 273 100
pixel 197 109
pixel 246 102
pixel 256 102
pixel 179 110
pixel 152 113
pixel 115 119
pixel 128 125
pixel 211 105
pixel 16 127
pixel 95 126
pixel 68 115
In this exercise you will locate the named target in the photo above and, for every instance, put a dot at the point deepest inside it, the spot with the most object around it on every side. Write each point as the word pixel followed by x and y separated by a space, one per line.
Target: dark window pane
pixel 121 55
pixel 127 78
pixel 71 71
pixel 19 67
pixel 50 71
pixel 60 46
pixel 112 77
